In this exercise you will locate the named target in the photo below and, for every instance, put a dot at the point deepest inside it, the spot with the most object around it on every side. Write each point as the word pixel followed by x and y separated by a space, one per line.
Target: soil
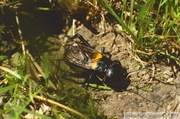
pixel 153 87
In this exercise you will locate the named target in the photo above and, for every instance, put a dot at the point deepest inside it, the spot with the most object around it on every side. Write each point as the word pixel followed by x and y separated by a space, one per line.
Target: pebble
pixel 170 80
pixel 169 107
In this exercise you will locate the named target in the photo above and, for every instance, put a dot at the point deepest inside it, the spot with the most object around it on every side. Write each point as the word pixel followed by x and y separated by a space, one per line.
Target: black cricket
pixel 95 66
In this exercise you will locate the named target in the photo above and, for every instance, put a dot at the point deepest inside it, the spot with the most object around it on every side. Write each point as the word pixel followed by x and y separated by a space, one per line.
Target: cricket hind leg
pixel 91 79
pixel 87 81
pixel 81 39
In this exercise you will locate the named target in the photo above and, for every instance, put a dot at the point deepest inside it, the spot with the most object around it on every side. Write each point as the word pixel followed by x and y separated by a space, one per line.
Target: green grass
pixel 22 90
pixel 153 27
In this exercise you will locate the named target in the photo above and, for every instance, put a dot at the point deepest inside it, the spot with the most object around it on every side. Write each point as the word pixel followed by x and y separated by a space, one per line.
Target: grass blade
pixel 105 4
pixel 7 88
pixel 11 72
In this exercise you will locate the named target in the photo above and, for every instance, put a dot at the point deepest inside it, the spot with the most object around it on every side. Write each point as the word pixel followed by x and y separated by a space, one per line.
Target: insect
pixel 95 65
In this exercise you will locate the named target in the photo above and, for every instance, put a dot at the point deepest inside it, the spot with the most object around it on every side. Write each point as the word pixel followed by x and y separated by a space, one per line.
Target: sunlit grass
pixel 153 26
pixel 22 90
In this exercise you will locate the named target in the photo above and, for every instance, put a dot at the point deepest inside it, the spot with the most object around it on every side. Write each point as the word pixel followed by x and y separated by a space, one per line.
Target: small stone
pixel 170 80
pixel 169 107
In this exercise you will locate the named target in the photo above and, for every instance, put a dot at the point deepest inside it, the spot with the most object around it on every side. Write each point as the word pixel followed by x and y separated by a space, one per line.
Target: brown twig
pixel 61 106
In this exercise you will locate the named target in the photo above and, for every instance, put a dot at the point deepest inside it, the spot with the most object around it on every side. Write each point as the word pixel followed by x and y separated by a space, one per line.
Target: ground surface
pixel 154 88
